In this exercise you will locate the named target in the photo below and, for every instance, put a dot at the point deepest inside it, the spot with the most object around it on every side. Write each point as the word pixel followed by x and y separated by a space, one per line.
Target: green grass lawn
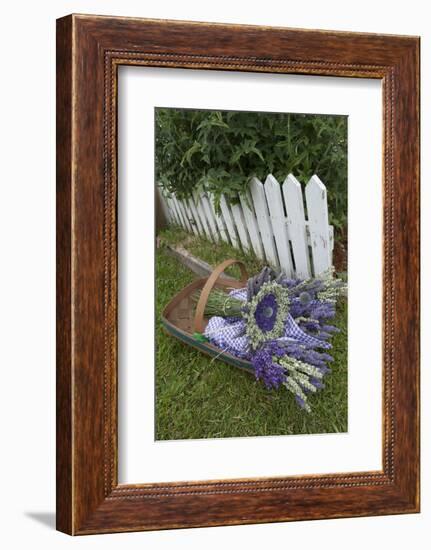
pixel 197 397
pixel 209 252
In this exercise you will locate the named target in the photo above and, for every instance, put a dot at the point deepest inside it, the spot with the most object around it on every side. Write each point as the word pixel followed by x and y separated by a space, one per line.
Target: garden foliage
pixel 219 151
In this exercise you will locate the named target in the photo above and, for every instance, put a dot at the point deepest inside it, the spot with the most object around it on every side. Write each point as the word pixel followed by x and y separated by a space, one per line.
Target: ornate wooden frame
pixel 89 51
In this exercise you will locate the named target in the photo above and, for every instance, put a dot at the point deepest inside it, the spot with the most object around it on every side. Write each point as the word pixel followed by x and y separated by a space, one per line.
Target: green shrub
pixel 219 151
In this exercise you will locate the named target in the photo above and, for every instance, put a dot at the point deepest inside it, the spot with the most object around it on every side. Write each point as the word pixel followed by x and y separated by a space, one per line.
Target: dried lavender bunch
pixel 221 304
pixel 254 284
pixel 281 354
pixel 274 368
pixel 266 313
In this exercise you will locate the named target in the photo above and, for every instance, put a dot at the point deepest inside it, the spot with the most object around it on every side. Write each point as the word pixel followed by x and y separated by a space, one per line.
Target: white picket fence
pixel 271 223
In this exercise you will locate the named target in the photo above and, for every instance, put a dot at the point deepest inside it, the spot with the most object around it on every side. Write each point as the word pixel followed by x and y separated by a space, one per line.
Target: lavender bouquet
pixel 281 326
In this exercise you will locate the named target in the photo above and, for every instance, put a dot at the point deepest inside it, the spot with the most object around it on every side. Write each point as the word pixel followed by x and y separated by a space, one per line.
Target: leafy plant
pixel 219 151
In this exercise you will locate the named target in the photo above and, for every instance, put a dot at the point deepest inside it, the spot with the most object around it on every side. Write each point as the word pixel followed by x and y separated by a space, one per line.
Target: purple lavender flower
pixel 271 374
pixel 329 328
pixel 311 325
pixel 317 383
pixel 314 310
pixel 310 356
pixel 266 313
pixel 300 402
pixel 275 348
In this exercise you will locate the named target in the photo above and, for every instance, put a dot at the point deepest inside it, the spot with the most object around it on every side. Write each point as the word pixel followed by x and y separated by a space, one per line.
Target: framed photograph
pixel 237 274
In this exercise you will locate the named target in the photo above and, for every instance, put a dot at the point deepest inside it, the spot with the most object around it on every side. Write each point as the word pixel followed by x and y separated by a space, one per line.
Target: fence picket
pixel 263 220
pixel 174 218
pixel 160 196
pixel 204 221
pixel 230 224
pixel 210 217
pixel 315 195
pixel 185 216
pixel 253 229
pixel 179 212
pixel 196 218
pixel 276 212
pixel 173 213
pixel 238 217
pixel 296 225
pixel 190 217
pixel 219 219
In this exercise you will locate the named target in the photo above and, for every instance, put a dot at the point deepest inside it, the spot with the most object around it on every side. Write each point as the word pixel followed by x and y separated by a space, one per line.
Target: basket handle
pixel 198 325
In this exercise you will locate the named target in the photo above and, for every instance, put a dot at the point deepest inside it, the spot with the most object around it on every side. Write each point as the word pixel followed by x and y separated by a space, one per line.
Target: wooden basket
pixel 182 317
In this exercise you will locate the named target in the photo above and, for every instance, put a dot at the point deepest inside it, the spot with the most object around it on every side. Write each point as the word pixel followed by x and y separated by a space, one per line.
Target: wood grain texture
pixel 64 497
pixel 90 49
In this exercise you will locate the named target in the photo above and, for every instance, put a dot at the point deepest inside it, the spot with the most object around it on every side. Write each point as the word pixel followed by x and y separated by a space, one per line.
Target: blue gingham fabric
pixel 229 335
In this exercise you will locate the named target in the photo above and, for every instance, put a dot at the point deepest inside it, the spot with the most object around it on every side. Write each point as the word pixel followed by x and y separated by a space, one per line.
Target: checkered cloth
pixel 228 333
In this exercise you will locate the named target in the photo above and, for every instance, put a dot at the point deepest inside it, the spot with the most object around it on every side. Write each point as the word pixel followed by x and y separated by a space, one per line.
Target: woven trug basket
pixel 183 318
